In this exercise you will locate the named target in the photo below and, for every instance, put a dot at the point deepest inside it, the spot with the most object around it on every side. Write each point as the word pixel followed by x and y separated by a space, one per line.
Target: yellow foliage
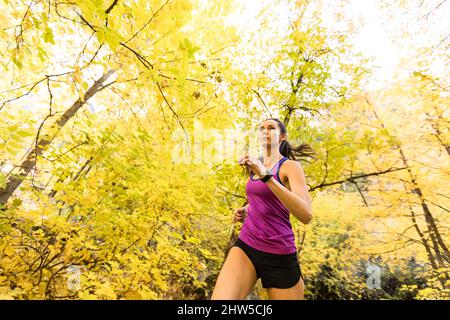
pixel 117 207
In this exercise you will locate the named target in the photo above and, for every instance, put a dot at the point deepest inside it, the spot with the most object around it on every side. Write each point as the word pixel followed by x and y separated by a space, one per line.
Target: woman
pixel 265 247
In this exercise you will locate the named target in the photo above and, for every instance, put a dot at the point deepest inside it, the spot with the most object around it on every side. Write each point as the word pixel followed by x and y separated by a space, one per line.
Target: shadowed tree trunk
pixel 441 252
pixel 29 163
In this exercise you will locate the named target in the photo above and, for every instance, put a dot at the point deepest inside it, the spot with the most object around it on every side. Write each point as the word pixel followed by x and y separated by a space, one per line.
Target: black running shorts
pixel 275 270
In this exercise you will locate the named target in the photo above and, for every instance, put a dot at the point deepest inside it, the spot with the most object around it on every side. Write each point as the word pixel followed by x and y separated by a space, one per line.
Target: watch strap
pixel 267 176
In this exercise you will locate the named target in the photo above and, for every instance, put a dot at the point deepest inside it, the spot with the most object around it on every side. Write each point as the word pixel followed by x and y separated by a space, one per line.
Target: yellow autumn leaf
pixel 106 291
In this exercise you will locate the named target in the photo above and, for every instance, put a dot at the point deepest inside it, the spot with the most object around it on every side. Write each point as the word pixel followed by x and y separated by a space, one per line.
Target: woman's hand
pixel 240 213
pixel 254 164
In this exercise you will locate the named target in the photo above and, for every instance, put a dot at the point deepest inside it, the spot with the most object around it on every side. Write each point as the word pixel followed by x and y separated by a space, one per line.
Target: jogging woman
pixel 265 247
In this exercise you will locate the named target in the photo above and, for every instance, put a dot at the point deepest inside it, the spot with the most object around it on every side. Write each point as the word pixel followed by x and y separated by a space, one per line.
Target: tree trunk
pixel 29 163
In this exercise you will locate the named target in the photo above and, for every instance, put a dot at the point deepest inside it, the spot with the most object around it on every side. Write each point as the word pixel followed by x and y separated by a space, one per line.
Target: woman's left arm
pixel 296 200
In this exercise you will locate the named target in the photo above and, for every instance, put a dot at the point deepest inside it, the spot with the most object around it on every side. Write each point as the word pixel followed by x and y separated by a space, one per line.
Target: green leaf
pixel 41 54
pixel 101 36
pixel 112 37
pixel 13 128
pixel 97 3
pixel 2 181
pixel 17 63
pixel 35 22
pixel 187 46
pixel 15 145
pixel 48 35
pixel 193 240
pixel 24 133
pixel 16 202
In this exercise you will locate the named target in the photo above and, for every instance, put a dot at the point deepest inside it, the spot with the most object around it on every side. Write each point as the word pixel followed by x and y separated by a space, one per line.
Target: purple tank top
pixel 267 226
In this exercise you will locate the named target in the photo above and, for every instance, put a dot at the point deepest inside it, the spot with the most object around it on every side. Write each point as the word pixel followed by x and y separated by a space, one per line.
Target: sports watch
pixel 268 175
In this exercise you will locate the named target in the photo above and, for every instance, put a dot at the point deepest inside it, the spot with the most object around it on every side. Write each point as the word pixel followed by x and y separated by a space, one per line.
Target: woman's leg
pixel 293 293
pixel 237 277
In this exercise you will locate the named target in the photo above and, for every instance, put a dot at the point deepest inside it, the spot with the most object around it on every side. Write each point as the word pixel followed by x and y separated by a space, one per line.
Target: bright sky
pixel 380 36
pixel 378 31
pixel 372 40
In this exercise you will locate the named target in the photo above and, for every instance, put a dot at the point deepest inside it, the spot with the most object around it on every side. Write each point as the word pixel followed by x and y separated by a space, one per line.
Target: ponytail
pixel 295 153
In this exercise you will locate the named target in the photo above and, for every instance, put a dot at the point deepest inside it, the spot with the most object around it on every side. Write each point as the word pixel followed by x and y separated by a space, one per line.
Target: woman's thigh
pixel 293 293
pixel 237 277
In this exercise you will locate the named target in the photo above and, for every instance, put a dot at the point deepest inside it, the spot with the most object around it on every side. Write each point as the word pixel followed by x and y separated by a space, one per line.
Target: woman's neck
pixel 271 157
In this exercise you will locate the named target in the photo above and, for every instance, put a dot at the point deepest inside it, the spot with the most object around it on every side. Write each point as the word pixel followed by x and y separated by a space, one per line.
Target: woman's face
pixel 269 133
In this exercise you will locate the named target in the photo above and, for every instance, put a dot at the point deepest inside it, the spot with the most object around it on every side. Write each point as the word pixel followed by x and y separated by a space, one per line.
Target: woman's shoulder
pixel 291 162
pixel 289 165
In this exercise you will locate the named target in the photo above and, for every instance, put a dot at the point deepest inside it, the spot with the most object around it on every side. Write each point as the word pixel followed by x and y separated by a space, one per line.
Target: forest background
pixel 121 122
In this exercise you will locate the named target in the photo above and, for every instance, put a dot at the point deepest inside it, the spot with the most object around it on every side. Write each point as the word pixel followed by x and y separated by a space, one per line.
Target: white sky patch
pixel 377 31
pixel 373 41
pixel 370 38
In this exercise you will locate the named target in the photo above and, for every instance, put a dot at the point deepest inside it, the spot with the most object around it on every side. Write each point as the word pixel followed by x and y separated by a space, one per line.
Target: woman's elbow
pixel 307 219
